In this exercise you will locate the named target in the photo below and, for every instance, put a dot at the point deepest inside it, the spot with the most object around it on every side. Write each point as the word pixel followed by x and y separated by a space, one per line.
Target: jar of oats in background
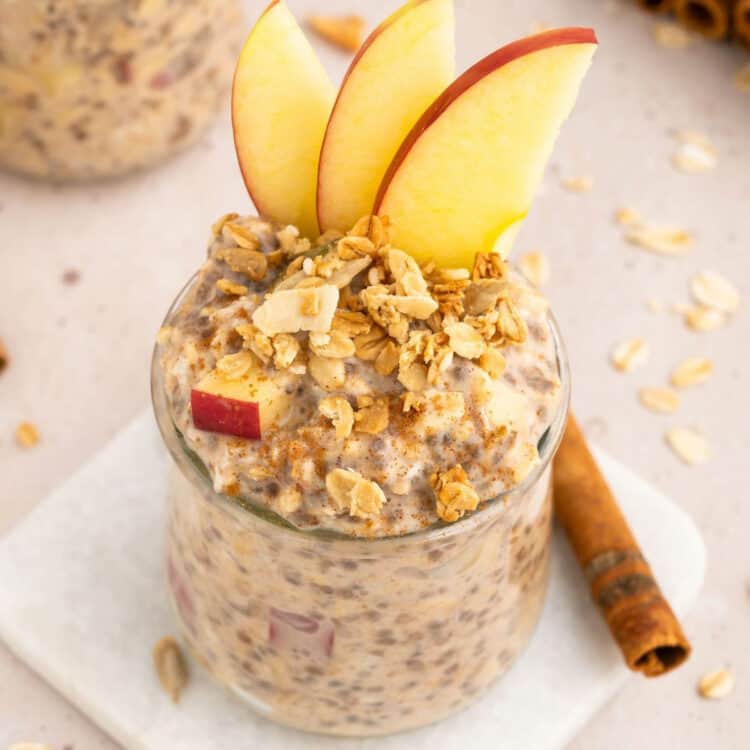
pixel 96 88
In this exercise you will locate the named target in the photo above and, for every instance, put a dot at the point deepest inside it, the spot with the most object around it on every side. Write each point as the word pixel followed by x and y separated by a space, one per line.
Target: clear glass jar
pixel 96 88
pixel 347 636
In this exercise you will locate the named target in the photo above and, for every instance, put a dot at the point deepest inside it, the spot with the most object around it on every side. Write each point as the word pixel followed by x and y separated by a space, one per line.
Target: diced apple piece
pixel 397 73
pixel 281 101
pixel 292 310
pixel 466 174
pixel 241 406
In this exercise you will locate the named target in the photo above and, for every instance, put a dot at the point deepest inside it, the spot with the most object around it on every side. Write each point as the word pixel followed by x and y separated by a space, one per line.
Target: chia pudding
pixel 359 522
pixel 95 89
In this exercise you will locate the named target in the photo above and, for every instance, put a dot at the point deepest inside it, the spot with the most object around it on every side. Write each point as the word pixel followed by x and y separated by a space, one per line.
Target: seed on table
pixel 171 667
pixel 27 435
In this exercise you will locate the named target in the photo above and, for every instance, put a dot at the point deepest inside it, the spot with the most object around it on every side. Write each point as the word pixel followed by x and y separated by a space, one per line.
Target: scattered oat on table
pixel 630 354
pixel 582 184
pixel 171 667
pixel 660 240
pixel 672 36
pixel 660 400
pixel 742 79
pixel 688 445
pixel 627 216
pixel 71 276
pixel 701 318
pixel 711 289
pixel 3 356
pixel 30 746
pixel 695 154
pixel 716 685
pixel 27 435
pixel 345 32
pixel 655 305
pixel 535 267
pixel 693 371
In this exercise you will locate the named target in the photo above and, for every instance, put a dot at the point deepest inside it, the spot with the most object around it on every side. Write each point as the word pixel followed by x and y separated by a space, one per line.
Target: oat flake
pixel 171 667
pixel 535 267
pixel 690 446
pixel 660 240
pixel 630 354
pixel 692 371
pixel 582 184
pixel 659 400
pixel 693 159
pixel 716 685
pixel 627 216
pixel 711 289
pixel 702 318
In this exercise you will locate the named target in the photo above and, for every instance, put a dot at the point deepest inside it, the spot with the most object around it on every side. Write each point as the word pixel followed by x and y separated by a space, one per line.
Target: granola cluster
pixel 388 354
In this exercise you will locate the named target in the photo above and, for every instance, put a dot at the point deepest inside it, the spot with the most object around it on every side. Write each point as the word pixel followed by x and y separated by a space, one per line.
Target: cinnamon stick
pixel 620 579
pixel 712 18
pixel 742 21
pixel 657 6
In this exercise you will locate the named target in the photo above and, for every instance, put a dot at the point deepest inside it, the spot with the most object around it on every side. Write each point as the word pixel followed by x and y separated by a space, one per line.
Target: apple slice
pixel 244 407
pixel 281 100
pixel 399 70
pixel 464 178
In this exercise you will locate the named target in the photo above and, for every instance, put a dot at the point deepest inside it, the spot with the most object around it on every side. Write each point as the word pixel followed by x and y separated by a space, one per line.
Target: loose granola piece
pixel 535 267
pixel 372 414
pixel 630 354
pixel 293 310
pixel 351 323
pixel 333 344
pixel 488 266
pixel 171 667
pixel 27 435
pixel 716 685
pixel 493 363
pixel 250 263
pixel 387 360
pixel 3 356
pixel 346 32
pixel 692 371
pixel 454 493
pixel 482 296
pixel 285 348
pixel 231 287
pixel 341 414
pixel 290 500
pixel 329 374
pixel 689 445
pixel 660 240
pixel 711 289
pixel 413 377
pixel 369 345
pixel 660 400
pixel 218 225
pixel 350 491
pixel 627 216
pixel 348 271
pixel 672 36
pixel 257 342
pixel 353 247
pixel 510 325
pixel 411 401
pixel 703 319
pixel 244 237
pixel 742 79
pixel 234 366
pixel 465 340
pixel 581 184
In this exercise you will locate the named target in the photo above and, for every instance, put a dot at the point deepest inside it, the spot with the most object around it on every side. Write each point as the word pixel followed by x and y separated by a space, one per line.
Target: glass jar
pixel 351 636
pixel 96 88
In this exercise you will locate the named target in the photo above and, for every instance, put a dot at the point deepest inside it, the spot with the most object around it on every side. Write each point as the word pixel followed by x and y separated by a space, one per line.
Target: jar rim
pixel 437 531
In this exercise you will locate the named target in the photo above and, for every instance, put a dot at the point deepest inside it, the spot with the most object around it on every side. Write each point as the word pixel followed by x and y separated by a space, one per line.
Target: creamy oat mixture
pixel 93 88
pixel 400 395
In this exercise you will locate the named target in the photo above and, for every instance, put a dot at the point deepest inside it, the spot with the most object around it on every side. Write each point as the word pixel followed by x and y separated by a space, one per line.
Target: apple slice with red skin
pixel 464 178
pixel 281 101
pixel 397 73
pixel 244 407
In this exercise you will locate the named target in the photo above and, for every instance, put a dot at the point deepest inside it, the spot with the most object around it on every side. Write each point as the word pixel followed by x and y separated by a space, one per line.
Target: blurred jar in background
pixel 96 88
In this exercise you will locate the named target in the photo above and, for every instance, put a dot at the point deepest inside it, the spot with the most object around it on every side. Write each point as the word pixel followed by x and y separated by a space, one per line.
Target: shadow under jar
pixel 355 636
pixel 97 88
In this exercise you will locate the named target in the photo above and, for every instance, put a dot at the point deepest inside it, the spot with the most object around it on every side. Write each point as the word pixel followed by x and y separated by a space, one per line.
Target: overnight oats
pixel 359 526
pixel 96 88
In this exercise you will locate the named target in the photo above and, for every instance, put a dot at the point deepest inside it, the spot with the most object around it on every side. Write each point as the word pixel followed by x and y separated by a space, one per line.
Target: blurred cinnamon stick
pixel 742 21
pixel 620 579
pixel 657 6
pixel 712 18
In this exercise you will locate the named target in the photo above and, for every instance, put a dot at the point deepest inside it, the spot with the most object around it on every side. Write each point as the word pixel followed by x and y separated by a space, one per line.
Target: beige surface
pixel 79 353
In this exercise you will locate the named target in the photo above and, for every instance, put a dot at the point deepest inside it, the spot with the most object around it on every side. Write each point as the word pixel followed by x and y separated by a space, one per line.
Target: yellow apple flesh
pixel 464 178
pixel 281 101
pixel 398 72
